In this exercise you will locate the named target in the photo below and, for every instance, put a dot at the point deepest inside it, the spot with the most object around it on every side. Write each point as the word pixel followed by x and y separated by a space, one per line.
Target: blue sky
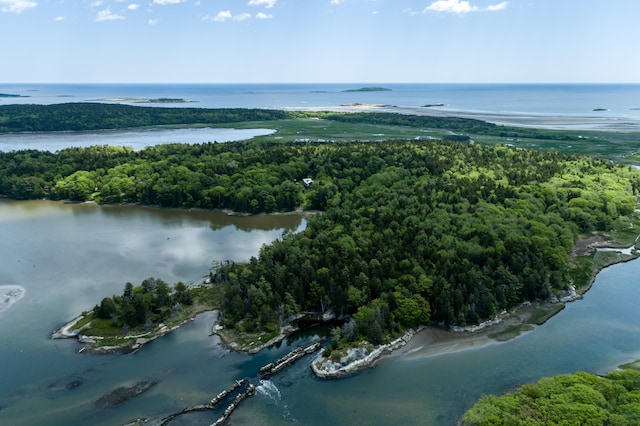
pixel 225 41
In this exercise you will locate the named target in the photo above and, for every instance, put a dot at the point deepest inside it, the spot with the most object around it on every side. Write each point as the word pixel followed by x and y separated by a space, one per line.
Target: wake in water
pixel 10 294
pixel 270 390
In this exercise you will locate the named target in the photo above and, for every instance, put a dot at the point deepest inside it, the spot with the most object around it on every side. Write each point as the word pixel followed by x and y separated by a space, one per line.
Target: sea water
pixel 621 101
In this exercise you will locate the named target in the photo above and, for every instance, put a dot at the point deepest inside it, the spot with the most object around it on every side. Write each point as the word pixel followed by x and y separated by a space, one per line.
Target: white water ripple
pixel 10 294
pixel 271 391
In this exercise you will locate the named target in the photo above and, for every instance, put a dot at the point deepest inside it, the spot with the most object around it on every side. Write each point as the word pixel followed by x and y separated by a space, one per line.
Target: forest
pixel 152 302
pixel 100 116
pixel 577 399
pixel 411 232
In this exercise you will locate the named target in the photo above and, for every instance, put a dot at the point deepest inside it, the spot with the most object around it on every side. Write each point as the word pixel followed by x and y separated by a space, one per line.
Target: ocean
pixel 611 101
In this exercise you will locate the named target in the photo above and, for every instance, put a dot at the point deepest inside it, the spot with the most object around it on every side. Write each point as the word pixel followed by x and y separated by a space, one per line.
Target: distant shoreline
pixel 552 122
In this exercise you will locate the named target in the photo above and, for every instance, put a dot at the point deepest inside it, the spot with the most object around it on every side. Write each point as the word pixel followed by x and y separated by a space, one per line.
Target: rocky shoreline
pixel 356 359
pixel 126 344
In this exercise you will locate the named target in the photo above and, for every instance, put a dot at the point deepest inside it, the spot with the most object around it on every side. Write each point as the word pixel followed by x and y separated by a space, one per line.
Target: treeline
pixel 100 116
pixel 465 126
pixel 244 177
pixel 578 399
pixel 151 302
pixel 411 231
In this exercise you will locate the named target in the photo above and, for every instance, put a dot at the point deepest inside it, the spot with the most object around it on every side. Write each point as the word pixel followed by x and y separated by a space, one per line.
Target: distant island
pixel 147 100
pixel 10 95
pixel 167 101
pixel 368 89
pixel 432 105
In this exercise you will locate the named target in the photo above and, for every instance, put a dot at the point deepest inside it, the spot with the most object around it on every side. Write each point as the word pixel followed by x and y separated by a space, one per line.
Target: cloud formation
pixel 496 7
pixel 165 2
pixel 266 3
pixel 461 6
pixel 226 15
pixel 16 6
pixel 106 15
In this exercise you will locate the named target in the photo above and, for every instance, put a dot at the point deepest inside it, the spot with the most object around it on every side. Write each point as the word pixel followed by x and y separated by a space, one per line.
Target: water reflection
pixel 137 139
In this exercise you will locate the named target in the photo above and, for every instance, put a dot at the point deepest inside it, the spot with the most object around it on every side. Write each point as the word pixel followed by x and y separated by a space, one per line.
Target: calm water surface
pixel 137 139
pixel 68 257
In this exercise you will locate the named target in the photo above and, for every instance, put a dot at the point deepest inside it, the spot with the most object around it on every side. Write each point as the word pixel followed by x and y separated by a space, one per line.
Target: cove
pixel 68 256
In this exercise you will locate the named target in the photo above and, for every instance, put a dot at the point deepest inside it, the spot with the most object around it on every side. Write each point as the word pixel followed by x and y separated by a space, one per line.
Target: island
pixel 368 89
pixel 9 95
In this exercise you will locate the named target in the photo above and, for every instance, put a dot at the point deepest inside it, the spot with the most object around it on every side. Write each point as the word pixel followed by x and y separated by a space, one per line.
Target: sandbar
pixel 10 294
pixel 545 121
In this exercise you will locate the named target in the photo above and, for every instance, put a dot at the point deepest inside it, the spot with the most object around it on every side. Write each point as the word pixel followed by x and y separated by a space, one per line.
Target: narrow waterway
pixel 66 257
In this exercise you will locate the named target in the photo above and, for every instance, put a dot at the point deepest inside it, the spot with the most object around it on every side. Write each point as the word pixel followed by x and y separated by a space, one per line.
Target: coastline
pixel 528 120
pixel 122 344
pixel 433 340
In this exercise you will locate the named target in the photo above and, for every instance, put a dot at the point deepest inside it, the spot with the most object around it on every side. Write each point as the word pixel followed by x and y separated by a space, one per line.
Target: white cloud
pixel 266 3
pixel 451 6
pixel 461 6
pixel 59 18
pixel 133 6
pixel 165 2
pixel 96 3
pixel 152 21
pixel 16 6
pixel 222 16
pixel 225 15
pixel 497 7
pixel 106 15
pixel 375 12
pixel 336 1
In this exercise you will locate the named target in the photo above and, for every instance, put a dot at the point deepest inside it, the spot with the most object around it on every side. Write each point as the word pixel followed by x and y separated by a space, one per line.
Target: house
pixel 307 182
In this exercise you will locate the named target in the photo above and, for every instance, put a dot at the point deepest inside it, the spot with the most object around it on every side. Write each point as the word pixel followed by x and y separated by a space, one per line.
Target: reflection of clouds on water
pixel 138 139
pixel 10 294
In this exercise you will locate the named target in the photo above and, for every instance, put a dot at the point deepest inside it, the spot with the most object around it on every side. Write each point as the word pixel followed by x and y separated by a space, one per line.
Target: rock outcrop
pixel 356 359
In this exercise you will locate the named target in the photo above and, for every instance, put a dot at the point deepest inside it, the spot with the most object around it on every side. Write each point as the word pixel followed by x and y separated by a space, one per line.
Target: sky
pixel 332 41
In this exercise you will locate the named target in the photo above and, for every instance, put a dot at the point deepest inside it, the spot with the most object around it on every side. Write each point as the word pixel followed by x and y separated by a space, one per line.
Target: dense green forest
pixel 151 302
pixel 578 399
pixel 412 231
pixel 100 116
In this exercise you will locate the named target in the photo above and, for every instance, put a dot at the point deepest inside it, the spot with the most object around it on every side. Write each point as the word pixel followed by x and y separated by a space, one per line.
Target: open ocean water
pixel 615 101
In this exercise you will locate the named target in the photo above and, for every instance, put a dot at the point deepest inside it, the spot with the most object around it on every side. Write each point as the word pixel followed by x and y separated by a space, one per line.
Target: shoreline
pixel 125 344
pixel 433 340
pixel 527 120
pixel 426 341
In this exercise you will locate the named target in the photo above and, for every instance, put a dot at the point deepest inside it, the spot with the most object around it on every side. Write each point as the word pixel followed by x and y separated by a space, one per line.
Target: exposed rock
pixel 356 359
pixel 123 394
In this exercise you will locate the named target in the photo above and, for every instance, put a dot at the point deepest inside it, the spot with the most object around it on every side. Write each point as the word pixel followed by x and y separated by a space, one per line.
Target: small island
pixel 10 95
pixel 368 89
pixel 123 324
pixel 167 101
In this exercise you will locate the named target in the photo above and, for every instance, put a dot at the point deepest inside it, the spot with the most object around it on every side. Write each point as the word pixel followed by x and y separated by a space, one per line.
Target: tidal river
pixel 59 259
